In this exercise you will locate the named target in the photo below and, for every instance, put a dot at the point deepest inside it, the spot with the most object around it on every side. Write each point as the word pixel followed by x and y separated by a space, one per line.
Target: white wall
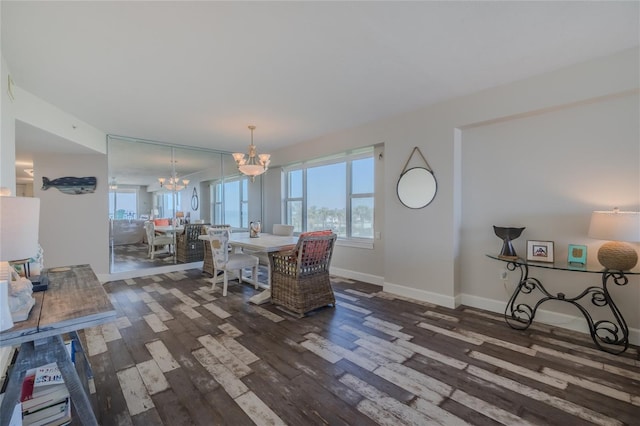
pixel 548 172
pixel 43 115
pixel 74 229
pixel 422 254
pixel 7 133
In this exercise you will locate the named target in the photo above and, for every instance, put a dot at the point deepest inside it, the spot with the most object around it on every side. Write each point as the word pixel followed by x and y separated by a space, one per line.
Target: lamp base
pixel 617 255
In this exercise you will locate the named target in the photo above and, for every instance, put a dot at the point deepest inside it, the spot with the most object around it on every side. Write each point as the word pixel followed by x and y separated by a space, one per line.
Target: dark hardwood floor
pixel 180 354
pixel 130 257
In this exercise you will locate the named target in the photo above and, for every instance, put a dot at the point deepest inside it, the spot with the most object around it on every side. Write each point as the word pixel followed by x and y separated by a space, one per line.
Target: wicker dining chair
pixel 300 277
pixel 188 247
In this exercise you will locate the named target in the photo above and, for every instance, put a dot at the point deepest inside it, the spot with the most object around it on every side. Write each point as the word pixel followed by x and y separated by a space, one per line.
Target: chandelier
pixel 252 165
pixel 173 183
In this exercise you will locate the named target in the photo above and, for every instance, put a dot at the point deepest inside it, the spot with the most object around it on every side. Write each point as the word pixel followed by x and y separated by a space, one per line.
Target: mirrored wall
pixel 173 187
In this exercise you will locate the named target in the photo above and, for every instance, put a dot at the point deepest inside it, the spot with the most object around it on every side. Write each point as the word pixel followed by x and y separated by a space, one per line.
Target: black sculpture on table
pixel 507 234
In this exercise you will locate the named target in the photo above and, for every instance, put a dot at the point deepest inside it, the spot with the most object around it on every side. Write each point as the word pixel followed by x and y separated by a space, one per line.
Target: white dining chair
pixel 225 261
pixel 156 240
pixel 281 229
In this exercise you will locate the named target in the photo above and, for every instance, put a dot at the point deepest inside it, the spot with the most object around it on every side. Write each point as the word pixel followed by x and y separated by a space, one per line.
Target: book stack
pixel 45 397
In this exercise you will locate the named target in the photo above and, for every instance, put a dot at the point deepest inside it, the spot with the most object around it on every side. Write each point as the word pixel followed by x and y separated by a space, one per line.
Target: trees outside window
pixel 336 194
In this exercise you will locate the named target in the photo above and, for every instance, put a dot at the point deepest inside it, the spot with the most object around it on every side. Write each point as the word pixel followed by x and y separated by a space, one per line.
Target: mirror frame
pixel 417 187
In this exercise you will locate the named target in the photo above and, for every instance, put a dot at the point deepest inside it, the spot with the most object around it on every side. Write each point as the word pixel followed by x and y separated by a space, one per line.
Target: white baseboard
pixel 423 295
pixel 354 275
pixel 570 322
pixel 137 273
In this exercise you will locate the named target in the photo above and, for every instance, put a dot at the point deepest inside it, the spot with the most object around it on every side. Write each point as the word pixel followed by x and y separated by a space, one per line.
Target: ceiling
pixel 197 73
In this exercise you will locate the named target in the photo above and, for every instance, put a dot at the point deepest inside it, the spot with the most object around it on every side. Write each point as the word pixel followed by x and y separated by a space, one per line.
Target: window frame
pixel 123 190
pixel 347 158
pixel 218 207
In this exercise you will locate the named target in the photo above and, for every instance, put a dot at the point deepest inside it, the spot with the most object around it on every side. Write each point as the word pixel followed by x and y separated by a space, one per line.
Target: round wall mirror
pixel 194 200
pixel 417 187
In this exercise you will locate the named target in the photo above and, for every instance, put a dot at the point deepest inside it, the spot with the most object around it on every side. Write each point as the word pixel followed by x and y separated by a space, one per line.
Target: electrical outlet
pixel 503 274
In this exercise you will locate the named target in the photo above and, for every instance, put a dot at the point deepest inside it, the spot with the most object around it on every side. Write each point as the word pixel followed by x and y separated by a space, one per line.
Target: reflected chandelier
pixel 173 183
pixel 252 165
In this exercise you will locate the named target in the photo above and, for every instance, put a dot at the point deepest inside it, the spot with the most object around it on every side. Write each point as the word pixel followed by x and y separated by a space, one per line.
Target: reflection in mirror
pixel 153 182
pixel 417 187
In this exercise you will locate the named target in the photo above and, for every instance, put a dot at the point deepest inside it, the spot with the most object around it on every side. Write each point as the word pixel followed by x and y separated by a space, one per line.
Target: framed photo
pixel 577 254
pixel 540 251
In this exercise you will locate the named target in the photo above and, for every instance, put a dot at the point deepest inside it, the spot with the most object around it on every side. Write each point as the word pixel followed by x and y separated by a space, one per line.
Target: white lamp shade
pixel 615 226
pixel 19 223
pixel 6 322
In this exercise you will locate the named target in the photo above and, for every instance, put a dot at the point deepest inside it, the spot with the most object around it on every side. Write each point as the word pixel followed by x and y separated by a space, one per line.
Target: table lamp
pixel 617 227
pixel 19 223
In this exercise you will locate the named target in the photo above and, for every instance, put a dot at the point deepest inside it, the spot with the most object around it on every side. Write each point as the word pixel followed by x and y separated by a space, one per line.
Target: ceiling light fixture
pixel 252 164
pixel 173 183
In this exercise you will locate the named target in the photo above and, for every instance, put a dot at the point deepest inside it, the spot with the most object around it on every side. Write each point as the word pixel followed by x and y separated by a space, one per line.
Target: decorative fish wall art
pixel 71 185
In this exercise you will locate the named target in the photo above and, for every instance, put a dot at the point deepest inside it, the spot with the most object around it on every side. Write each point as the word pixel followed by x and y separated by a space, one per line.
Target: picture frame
pixel 577 253
pixel 540 251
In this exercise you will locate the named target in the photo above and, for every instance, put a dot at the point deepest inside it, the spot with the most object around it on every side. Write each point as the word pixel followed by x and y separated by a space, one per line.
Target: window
pixel 231 203
pixel 123 203
pixel 165 203
pixel 336 193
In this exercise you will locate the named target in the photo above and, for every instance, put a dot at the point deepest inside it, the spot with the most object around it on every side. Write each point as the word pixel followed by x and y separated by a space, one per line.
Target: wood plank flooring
pixel 180 354
pixel 129 257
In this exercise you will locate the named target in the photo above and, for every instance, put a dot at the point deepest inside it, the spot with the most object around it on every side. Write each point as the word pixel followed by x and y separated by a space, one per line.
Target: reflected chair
pixel 225 261
pixel 188 247
pixel 154 240
pixel 300 277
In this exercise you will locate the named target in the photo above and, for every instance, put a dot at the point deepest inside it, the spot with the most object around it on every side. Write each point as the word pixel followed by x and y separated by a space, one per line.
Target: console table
pixel 74 300
pixel 609 335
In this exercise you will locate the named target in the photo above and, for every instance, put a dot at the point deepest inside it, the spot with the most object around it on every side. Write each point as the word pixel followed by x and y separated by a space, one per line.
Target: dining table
pixel 168 229
pixel 264 243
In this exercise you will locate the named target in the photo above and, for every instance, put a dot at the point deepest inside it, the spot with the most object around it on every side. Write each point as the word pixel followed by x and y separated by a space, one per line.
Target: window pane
pixel 218 193
pixel 232 204
pixel 362 175
pixel 326 195
pixel 245 215
pixel 295 184
pixel 112 204
pixel 362 217
pixel 217 214
pixel 166 205
pixel 245 190
pixel 294 215
pixel 123 204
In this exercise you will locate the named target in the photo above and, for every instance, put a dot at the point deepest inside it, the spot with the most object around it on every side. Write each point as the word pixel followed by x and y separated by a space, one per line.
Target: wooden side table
pixel 75 300
pixel 25 266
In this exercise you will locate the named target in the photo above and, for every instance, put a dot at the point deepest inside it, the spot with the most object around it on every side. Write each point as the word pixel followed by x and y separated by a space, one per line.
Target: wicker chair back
pixel 300 279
